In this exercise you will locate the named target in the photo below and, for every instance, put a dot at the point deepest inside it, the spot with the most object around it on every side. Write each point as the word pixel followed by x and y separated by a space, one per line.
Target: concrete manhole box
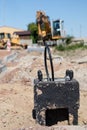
pixel 55 99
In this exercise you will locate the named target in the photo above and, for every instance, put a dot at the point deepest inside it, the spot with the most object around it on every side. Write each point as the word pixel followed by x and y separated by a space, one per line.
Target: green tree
pixel 32 27
pixel 69 39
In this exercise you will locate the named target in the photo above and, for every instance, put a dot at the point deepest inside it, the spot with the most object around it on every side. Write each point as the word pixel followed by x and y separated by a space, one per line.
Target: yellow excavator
pixel 15 40
pixel 47 29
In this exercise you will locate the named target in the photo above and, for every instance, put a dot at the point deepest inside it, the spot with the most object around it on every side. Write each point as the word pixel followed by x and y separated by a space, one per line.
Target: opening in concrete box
pixel 53 116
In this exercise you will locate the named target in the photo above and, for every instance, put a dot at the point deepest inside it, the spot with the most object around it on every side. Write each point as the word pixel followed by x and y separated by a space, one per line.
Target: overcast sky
pixel 19 13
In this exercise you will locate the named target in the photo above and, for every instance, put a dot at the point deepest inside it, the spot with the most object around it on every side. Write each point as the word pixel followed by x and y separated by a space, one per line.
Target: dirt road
pixel 16 86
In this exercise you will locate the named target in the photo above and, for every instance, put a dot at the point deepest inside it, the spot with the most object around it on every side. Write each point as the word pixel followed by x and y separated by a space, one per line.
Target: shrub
pixel 60 47
pixel 71 47
pixel 69 40
pixel 75 46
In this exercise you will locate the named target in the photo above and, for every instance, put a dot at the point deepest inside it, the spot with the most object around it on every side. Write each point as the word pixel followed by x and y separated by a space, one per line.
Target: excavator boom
pixel 45 29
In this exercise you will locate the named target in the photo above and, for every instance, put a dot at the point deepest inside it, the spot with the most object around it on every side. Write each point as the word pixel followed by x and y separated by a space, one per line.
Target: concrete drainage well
pixel 55 99
pixel 58 102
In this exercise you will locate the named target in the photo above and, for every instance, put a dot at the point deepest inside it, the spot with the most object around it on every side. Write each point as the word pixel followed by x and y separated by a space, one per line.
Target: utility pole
pixel 71 31
pixel 80 31
pixel 3 12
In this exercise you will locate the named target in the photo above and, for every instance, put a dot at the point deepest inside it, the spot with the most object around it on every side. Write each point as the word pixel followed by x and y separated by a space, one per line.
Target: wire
pixel 47 50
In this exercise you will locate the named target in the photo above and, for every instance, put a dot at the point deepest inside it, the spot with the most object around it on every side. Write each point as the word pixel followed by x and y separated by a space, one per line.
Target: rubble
pixel 16 88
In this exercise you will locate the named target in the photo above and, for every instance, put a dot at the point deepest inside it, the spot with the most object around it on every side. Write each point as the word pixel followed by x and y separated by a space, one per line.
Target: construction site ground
pixel 18 69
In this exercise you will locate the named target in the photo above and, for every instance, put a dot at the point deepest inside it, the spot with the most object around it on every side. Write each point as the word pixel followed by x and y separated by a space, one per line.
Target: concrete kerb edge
pixel 8 58
pixel 2 68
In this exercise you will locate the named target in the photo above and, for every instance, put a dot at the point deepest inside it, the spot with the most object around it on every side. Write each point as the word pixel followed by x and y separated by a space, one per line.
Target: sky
pixel 19 13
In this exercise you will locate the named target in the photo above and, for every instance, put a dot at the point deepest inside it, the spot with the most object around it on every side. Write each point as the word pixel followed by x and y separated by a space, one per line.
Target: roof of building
pixel 7 29
pixel 11 27
pixel 22 33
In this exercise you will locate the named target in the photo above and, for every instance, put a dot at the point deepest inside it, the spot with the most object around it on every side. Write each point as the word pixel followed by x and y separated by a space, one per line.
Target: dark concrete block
pixel 55 101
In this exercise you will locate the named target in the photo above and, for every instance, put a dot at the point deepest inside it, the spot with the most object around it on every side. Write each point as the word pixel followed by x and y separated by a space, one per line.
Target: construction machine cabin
pixel 49 30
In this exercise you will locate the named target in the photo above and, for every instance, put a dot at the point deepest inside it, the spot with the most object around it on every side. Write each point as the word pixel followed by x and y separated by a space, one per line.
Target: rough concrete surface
pixel 16 87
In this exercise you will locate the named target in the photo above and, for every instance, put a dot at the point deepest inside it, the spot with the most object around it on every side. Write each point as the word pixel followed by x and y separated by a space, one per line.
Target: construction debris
pixel 16 88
